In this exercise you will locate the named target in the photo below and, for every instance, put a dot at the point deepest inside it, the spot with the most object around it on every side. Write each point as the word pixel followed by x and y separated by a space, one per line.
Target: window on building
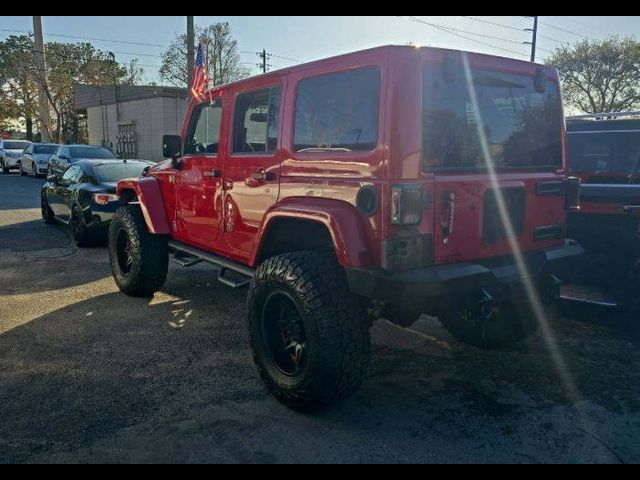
pixel 256 121
pixel 338 111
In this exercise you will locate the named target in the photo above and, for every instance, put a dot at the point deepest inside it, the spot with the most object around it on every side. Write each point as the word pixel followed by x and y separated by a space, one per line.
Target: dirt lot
pixel 89 375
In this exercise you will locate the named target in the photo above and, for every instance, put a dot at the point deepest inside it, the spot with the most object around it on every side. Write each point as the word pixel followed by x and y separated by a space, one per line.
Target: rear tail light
pixel 105 198
pixel 407 203
pixel 572 193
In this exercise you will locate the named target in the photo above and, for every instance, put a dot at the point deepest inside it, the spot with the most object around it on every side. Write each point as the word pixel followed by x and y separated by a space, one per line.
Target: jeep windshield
pixel 523 128
pixel 605 155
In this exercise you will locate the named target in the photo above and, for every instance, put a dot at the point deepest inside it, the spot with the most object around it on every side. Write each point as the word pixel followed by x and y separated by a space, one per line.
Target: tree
pixel 17 84
pixel 221 52
pixel 72 63
pixel 600 76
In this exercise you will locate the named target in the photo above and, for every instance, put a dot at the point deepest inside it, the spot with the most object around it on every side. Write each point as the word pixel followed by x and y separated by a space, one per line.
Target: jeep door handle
pixel 213 174
pixel 263 176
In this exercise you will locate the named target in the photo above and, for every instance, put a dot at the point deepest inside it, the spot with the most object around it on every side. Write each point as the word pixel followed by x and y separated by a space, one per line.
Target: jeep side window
pixel 338 111
pixel 256 121
pixel 204 129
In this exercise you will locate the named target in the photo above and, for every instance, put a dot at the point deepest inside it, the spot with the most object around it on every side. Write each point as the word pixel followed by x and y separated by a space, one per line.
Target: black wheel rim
pixel 124 250
pixel 284 333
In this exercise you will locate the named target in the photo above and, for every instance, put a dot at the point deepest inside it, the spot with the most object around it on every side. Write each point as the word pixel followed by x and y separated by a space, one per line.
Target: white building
pixel 134 125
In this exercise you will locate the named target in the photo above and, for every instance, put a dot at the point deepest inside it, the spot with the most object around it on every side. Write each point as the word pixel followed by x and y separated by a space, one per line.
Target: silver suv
pixel 11 154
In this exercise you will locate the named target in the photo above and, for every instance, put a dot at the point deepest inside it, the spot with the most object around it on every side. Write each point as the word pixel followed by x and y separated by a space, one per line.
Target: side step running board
pixel 188 256
pixel 588 296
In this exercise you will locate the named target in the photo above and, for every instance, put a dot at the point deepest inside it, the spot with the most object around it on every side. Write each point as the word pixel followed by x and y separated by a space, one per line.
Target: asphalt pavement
pixel 90 375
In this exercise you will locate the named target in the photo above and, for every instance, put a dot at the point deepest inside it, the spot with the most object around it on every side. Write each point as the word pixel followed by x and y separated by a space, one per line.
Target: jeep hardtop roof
pixel 505 62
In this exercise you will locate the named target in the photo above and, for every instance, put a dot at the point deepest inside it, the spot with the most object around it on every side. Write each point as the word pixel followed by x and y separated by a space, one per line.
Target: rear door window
pixel 339 111
pixel 256 121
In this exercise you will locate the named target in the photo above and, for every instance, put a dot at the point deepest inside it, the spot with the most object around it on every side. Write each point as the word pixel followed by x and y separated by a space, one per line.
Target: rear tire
pixel 501 326
pixel 82 235
pixel 309 335
pixel 139 260
pixel 47 214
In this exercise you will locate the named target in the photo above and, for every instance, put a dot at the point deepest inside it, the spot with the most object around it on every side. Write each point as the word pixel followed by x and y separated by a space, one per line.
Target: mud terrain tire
pixel 139 260
pixel 331 321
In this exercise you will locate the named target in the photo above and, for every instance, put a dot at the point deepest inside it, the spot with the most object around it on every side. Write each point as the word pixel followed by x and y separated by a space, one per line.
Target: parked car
pixel 84 197
pixel 11 154
pixel 35 159
pixel 393 181
pixel 604 151
pixel 69 154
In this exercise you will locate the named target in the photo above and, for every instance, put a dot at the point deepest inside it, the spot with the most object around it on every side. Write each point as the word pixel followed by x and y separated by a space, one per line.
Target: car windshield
pixel 91 153
pixel 15 145
pixel 604 152
pixel 523 128
pixel 44 149
pixel 113 172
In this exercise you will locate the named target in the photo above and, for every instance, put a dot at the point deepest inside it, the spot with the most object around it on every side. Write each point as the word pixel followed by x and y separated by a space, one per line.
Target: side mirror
pixel 52 179
pixel 63 157
pixel 171 146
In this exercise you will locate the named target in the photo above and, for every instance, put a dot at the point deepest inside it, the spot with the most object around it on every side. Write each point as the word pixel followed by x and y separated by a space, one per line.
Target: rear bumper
pixel 423 287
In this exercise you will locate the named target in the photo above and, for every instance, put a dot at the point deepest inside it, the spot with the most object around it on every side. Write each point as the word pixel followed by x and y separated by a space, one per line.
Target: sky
pixel 293 39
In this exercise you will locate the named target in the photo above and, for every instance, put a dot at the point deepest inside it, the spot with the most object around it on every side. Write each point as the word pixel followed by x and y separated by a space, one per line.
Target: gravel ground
pixel 89 375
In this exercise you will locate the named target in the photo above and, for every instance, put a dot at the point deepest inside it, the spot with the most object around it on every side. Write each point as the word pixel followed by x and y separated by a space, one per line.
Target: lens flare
pixel 531 291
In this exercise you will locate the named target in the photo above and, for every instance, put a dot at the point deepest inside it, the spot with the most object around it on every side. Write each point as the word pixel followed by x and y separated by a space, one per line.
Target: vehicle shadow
pixel 170 379
pixel 35 257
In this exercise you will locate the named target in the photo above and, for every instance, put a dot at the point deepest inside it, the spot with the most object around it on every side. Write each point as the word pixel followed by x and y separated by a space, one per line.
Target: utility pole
pixel 534 39
pixel 42 73
pixel 263 64
pixel 191 45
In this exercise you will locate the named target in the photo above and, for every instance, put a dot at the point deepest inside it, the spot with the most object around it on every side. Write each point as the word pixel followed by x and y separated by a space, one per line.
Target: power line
pixel 125 42
pixel 455 32
pixel 495 24
pixel 565 30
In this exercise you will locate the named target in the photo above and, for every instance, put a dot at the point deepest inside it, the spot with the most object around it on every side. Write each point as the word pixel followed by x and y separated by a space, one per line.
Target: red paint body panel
pixel 322 187
pixel 149 194
pixel 342 220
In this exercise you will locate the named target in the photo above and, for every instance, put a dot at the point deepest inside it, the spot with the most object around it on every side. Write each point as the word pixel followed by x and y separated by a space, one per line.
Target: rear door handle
pixel 213 174
pixel 263 176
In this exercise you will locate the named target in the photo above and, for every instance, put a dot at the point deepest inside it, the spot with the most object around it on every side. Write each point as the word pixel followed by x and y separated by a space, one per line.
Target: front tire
pixel 139 260
pixel 4 168
pixel 309 334
pixel 491 326
pixel 22 174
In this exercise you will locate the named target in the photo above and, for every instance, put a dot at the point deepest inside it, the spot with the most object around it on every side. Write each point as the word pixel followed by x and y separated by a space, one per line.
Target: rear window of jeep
pixel 522 127
pixel 338 111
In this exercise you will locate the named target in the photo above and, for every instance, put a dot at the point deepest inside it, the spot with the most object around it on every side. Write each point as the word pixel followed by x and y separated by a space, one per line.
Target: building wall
pixel 153 117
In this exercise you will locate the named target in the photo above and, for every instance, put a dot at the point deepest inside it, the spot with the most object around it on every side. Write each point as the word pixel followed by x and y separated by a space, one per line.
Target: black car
pixel 84 196
pixel 67 155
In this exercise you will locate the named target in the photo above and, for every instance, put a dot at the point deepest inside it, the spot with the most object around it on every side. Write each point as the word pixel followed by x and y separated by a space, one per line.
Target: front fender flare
pixel 149 195
pixel 342 220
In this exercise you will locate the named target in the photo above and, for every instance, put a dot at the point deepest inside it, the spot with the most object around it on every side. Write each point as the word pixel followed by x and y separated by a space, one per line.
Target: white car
pixel 11 154
pixel 35 159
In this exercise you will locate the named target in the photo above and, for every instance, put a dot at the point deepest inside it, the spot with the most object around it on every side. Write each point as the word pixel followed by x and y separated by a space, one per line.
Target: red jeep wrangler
pixel 604 151
pixel 393 181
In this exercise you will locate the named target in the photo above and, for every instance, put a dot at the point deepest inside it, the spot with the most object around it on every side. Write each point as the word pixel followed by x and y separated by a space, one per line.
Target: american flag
pixel 200 81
